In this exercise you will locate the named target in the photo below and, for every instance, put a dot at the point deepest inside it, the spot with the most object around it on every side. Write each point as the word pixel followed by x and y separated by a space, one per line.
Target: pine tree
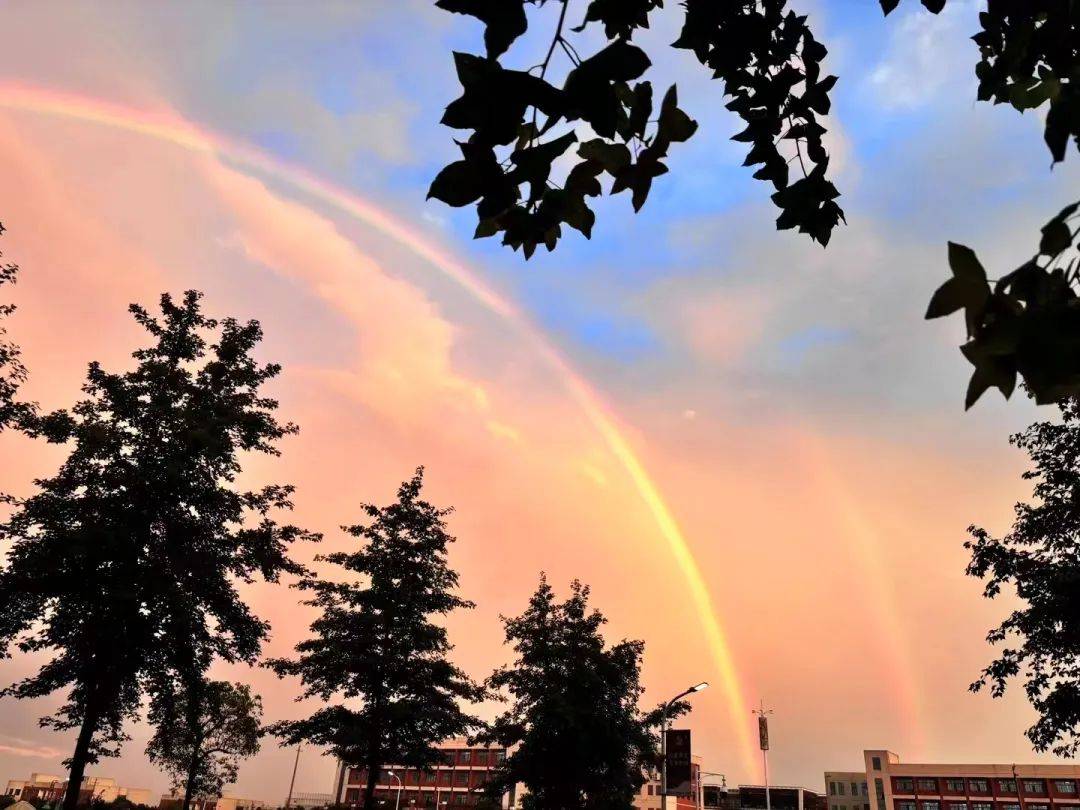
pixel 579 740
pixel 125 564
pixel 375 640
pixel 201 732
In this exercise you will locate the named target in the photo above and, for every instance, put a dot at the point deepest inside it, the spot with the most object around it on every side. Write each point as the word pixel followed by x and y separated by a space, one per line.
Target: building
pixel 846 790
pixel 895 785
pixel 307 801
pixel 649 796
pixel 175 801
pixel 456 781
pixel 781 797
pixel 719 797
pixel 49 788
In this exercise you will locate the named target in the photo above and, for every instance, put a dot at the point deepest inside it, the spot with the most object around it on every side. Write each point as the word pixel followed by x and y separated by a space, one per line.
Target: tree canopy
pixel 202 731
pixel 142 531
pixel 580 740
pixel 1040 558
pixel 375 641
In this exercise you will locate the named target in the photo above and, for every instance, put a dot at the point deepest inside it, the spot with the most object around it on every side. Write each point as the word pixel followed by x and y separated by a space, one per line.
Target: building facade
pixel 895 785
pixel 458 780
pixel 781 797
pixel 48 788
pixel 175 801
pixel 847 790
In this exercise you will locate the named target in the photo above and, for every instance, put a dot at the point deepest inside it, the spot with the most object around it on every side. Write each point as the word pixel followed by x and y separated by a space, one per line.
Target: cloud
pixel 927 55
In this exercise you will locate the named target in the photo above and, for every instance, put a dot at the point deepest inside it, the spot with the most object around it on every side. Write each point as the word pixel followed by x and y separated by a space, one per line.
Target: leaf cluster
pixel 1040 558
pixel 1027 323
pixel 770 64
pixel 603 123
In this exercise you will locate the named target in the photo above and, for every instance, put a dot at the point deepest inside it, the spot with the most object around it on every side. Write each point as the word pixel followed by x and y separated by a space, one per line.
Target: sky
pixel 754 450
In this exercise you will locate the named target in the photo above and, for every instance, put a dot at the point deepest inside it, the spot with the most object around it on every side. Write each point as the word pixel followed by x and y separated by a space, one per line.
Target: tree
pixel 125 564
pixel 375 641
pixel 201 733
pixel 12 371
pixel 765 54
pixel 582 742
pixel 1040 559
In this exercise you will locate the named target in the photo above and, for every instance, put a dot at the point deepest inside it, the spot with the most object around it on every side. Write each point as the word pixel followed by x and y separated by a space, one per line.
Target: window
pixel 958 806
pixel 979 785
pixel 954 785
pixel 832 789
pixel 905 806
pixel 905 785
pixel 481 757
pixel 1065 786
pixel 1007 785
pixel 466 757
pixel 1008 807
pixel 865 792
pixel 982 806
pixel 1034 786
pixel 854 788
pixel 876 763
pixel 429 777
pixel 500 756
pixel 840 788
pixel 1038 807
pixel 461 778
pixel 931 806
pixel 928 785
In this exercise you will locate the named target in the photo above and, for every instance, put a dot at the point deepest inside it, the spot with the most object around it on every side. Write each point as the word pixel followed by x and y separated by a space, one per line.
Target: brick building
pixel 896 785
pixel 456 781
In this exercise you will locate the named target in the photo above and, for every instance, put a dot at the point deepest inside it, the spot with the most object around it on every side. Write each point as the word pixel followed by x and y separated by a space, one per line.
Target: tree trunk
pixel 80 758
pixel 192 768
pixel 372 779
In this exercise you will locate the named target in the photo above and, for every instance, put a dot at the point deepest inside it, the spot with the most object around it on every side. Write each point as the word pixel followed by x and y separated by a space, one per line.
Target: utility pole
pixel 292 782
pixel 763 738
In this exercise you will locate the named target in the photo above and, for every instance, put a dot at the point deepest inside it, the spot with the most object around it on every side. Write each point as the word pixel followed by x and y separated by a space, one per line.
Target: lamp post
pixel 397 801
pixel 663 737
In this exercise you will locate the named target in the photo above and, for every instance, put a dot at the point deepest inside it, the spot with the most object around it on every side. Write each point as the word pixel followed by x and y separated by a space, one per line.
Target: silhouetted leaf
pixel 504 19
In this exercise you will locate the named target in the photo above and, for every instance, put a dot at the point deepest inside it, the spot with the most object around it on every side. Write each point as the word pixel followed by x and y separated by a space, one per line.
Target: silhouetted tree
pixel 1040 559
pixel 582 742
pixel 521 121
pixel 12 371
pixel 201 732
pixel 125 564
pixel 375 640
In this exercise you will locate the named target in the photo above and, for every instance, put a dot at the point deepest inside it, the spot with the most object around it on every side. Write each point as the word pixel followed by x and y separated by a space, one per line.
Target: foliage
pixel 581 740
pixel 375 640
pixel 521 123
pixel 142 531
pixel 1029 323
pixel 12 371
pixel 1040 558
pixel 201 732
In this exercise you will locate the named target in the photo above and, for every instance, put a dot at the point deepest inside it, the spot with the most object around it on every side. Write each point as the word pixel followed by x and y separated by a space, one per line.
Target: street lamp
pixel 397 802
pixel 663 737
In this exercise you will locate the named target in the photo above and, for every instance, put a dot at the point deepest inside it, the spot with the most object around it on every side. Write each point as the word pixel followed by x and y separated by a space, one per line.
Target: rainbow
pixel 164 125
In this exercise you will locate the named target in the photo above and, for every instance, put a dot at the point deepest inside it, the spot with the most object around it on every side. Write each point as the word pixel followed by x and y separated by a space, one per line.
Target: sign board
pixel 763 732
pixel 678 763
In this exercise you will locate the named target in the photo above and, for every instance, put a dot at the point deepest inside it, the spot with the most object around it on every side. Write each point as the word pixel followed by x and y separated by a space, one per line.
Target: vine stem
pixel 547 59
